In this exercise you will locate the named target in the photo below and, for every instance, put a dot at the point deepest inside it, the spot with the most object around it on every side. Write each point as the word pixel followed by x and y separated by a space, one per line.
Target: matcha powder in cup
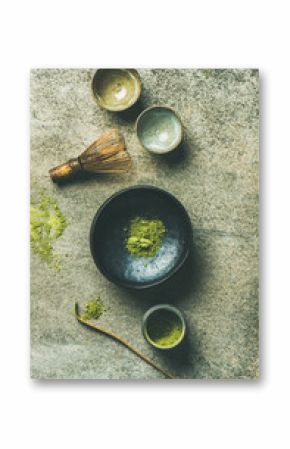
pixel 163 326
pixel 144 237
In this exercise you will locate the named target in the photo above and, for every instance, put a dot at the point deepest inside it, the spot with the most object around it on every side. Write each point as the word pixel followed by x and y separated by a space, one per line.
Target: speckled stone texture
pixel 215 176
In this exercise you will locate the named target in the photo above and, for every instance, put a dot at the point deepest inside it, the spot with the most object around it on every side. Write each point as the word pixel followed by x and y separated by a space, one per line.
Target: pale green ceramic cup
pixel 159 129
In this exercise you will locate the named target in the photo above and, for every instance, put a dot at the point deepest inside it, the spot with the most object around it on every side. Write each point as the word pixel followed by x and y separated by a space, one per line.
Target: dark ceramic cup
pixel 108 235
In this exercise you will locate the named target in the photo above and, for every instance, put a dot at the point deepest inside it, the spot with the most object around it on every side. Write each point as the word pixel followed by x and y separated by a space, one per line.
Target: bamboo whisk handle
pixel 65 170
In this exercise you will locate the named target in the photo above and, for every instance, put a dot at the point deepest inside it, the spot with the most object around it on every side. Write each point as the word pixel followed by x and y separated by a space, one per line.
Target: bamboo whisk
pixel 107 154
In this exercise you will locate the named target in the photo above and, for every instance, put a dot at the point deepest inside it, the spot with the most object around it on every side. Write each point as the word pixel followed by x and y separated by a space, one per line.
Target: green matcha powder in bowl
pixel 163 326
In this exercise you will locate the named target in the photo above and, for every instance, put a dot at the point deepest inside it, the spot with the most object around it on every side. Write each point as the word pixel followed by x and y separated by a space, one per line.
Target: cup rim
pixel 160 106
pixel 134 73
pixel 172 309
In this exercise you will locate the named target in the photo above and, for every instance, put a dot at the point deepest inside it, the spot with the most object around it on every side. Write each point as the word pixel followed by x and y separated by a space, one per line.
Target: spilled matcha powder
pixel 144 237
pixel 93 309
pixel 164 328
pixel 47 223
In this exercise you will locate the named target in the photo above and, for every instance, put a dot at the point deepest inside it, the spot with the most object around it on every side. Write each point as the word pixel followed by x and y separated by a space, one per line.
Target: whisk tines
pixel 107 154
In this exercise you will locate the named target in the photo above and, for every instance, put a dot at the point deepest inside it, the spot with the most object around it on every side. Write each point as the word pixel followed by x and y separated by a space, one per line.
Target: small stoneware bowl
pixel 159 129
pixel 109 231
pixel 163 326
pixel 116 89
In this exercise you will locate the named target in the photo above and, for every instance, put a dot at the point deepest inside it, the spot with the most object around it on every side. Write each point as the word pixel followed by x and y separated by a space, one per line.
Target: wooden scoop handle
pixel 65 170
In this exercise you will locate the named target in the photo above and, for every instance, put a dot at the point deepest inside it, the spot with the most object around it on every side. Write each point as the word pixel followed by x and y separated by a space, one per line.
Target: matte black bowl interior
pixel 108 235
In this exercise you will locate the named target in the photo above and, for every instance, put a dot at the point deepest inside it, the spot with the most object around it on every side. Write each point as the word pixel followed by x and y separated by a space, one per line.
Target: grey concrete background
pixel 215 176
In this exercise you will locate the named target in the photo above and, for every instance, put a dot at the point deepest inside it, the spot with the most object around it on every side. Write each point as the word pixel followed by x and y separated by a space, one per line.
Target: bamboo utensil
pixel 107 154
pixel 115 337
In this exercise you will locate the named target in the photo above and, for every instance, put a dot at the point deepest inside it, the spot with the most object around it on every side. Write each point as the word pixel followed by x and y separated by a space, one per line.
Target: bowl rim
pixel 160 106
pixel 132 72
pixel 172 309
pixel 172 271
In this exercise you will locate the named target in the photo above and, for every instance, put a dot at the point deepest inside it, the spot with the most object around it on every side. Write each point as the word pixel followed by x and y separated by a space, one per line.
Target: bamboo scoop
pixel 123 342
pixel 107 154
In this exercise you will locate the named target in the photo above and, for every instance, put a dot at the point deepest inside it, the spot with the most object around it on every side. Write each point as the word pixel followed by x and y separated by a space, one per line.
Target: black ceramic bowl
pixel 108 235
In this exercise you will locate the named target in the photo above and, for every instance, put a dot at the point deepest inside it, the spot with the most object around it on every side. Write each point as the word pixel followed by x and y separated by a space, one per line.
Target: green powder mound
pixel 47 223
pixel 144 237
pixel 93 309
pixel 164 328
